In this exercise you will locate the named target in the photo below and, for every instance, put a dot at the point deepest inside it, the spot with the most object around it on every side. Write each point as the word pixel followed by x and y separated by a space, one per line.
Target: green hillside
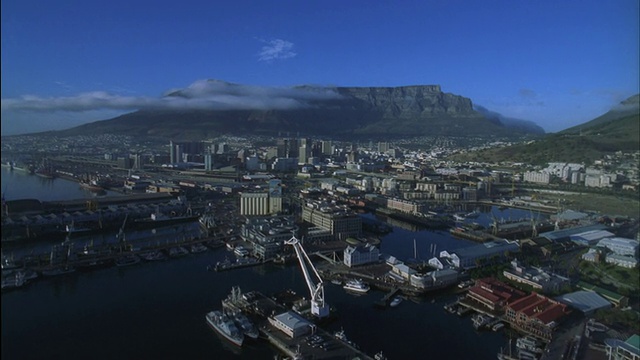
pixel 614 131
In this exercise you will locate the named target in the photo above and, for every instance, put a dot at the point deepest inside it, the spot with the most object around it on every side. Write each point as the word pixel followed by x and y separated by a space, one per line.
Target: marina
pixel 80 292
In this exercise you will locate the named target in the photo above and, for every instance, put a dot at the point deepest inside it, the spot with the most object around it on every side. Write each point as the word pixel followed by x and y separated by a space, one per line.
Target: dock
pixel 325 345
pixel 384 302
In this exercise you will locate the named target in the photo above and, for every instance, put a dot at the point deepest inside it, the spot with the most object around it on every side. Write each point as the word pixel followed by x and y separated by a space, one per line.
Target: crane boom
pixel 318 306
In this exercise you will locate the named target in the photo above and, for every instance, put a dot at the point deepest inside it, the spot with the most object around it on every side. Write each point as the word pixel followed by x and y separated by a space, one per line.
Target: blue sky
pixel 558 63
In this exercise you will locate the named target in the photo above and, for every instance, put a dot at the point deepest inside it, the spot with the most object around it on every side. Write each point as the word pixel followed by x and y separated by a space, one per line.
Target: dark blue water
pixel 21 185
pixel 156 310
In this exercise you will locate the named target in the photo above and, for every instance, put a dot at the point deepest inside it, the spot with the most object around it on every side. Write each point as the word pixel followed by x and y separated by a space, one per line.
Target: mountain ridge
pixel 414 110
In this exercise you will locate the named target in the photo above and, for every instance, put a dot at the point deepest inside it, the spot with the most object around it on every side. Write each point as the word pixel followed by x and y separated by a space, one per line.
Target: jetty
pixel 386 299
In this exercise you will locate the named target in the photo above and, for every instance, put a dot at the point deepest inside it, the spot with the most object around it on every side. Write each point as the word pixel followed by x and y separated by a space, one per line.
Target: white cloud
pixel 202 94
pixel 276 49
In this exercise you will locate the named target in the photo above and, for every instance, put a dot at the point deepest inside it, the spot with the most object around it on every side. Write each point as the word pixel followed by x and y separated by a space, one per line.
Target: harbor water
pixel 157 309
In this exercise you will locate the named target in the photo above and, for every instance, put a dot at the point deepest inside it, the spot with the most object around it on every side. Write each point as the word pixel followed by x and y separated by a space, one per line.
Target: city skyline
pixel 558 65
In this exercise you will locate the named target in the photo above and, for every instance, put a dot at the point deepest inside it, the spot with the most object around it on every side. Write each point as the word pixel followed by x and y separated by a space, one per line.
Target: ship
pixel 224 326
pixel 91 185
pixel 245 325
pixel 356 285
pixel 528 343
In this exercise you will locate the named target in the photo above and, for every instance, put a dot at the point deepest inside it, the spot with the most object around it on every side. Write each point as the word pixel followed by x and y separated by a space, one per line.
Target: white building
pixel 291 324
pixel 540 177
pixel 359 255
pixel 622 260
pixel 620 246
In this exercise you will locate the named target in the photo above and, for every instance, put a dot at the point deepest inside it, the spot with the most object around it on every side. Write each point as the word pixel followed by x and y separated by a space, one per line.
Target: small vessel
pixel 528 343
pixel 58 271
pixel 356 285
pixel 497 327
pixel 396 301
pixel 244 324
pixel 459 217
pixel 224 326
pixel 153 256
pixel 178 251
pixel 126 260
pixel 197 248
pixel 480 321
pixel 14 280
pixel 336 281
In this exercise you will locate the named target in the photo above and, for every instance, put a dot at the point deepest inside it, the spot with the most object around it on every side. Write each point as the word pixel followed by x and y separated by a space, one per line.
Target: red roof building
pixel 493 294
pixel 536 314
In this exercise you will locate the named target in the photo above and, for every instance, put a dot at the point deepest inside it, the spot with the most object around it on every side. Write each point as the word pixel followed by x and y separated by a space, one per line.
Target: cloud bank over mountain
pixel 200 95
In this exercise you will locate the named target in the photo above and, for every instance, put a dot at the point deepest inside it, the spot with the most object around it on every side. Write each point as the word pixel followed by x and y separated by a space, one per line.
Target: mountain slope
pixel 616 130
pixel 337 112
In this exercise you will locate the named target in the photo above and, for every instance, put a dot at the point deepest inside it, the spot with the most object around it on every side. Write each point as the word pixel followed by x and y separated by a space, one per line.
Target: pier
pixel 384 302
pixel 325 346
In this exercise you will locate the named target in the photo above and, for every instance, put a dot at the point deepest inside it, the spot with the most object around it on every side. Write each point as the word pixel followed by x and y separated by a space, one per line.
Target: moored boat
pixel 153 256
pixel 177 251
pixel 126 260
pixel 58 271
pixel 197 248
pixel 396 301
pixel 224 326
pixel 243 323
pixel 356 285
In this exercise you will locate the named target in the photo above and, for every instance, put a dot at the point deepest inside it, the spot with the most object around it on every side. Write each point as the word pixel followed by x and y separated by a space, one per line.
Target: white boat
pixel 396 301
pixel 528 343
pixel 498 326
pixel 244 324
pixel 224 326
pixel 356 285
pixel 459 217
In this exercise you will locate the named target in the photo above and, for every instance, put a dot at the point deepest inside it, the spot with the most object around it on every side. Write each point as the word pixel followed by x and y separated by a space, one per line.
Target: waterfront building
pixel 268 234
pixel 291 324
pixel 479 255
pixel 535 277
pixel 437 278
pixel 360 255
pixel 536 315
pixel 341 221
pixel 402 271
pixel 406 206
pixel 493 294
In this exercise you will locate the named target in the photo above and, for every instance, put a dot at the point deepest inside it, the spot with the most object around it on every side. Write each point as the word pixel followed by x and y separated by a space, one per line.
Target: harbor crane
pixel 318 307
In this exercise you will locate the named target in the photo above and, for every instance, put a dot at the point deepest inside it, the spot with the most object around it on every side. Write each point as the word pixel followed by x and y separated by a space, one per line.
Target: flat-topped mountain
pixel 214 108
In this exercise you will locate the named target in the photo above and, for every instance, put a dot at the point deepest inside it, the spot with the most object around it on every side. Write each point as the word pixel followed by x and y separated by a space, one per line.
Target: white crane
pixel 318 306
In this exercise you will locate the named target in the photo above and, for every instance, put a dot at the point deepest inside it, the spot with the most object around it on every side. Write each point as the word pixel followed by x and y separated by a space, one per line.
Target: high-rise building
pixel 327 148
